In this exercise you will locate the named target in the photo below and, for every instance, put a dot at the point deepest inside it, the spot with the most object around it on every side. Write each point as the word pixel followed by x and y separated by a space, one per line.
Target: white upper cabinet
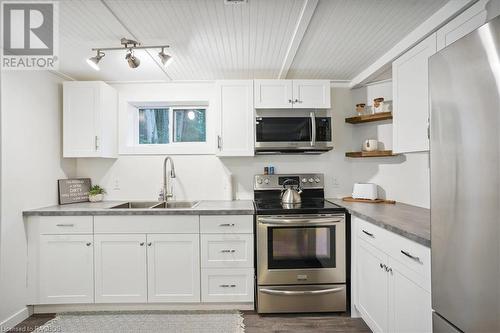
pixel 463 24
pixel 273 94
pixel 89 119
pixel 411 98
pixel 292 94
pixel 236 118
pixel 311 94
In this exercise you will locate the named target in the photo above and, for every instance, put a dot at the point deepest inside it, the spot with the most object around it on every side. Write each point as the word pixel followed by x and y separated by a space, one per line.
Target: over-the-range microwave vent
pixel 292 151
pixel 234 2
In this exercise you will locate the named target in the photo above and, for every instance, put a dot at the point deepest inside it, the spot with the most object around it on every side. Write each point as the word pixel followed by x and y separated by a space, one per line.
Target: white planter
pixel 96 198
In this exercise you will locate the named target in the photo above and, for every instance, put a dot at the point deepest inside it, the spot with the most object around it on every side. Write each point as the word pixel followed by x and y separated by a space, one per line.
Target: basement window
pixel 166 129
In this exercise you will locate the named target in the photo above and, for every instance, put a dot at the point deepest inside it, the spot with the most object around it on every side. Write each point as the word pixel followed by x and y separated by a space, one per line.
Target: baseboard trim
pixel 16 318
pixel 57 308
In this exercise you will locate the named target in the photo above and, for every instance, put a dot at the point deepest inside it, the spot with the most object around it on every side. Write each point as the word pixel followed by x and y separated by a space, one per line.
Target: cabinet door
pixel 372 286
pixel 81 119
pixel 273 94
pixel 410 309
pixel 311 94
pixel 411 98
pixel 237 121
pixel 120 268
pixel 66 269
pixel 174 268
pixel 468 21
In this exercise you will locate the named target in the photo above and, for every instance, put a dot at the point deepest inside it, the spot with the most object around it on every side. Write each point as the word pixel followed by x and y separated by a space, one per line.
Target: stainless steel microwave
pixel 293 134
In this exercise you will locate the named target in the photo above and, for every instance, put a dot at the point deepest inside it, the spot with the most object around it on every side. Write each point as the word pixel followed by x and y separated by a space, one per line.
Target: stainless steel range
pixel 301 248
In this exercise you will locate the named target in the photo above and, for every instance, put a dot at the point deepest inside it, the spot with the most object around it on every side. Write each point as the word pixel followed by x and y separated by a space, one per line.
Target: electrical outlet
pixel 335 182
pixel 116 185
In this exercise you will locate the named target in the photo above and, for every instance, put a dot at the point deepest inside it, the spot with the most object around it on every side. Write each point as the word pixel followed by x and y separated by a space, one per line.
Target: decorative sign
pixel 73 190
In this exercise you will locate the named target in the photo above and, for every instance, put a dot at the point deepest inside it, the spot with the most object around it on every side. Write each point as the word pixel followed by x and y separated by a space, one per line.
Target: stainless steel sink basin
pixel 156 205
pixel 177 204
pixel 136 205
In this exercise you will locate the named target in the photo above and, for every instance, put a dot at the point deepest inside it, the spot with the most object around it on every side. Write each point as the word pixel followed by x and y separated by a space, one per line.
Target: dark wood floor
pixel 254 323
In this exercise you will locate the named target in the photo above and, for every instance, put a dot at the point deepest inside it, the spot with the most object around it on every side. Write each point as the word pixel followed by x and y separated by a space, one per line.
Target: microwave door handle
pixel 313 128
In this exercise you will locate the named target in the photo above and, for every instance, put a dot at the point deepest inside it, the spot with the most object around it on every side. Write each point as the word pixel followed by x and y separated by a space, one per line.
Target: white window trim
pixel 129 127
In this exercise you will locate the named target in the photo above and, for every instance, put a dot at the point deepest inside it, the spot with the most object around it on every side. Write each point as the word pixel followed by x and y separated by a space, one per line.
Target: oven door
pixel 293 133
pixel 301 249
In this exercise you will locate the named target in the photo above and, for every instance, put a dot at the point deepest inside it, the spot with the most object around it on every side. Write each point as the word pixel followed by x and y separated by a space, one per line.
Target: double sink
pixel 156 205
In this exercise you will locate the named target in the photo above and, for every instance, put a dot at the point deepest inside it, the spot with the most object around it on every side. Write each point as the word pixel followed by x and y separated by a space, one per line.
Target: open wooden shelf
pixel 369 118
pixel 377 153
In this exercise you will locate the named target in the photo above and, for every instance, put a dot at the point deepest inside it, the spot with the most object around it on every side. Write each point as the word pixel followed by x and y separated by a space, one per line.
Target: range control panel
pixel 275 182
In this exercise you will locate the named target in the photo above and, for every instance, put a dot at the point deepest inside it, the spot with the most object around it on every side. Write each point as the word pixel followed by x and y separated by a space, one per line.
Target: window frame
pixel 129 130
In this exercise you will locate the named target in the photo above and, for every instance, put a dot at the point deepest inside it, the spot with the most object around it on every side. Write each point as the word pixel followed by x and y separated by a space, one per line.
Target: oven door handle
pixel 280 221
pixel 301 292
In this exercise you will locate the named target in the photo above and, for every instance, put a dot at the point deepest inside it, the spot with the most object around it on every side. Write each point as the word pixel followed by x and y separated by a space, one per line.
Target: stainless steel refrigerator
pixel 464 81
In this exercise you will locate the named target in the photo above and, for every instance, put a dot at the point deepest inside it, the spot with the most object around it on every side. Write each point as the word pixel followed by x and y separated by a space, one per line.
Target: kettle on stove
pixel 290 195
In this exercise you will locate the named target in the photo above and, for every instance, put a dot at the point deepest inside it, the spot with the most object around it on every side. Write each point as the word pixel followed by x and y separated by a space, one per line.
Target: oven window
pixel 301 247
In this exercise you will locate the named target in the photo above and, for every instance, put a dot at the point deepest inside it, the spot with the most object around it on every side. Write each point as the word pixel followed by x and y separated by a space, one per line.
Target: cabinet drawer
pixel 411 254
pixel 65 224
pixel 232 224
pixel 372 234
pixel 140 224
pixel 224 250
pixel 227 285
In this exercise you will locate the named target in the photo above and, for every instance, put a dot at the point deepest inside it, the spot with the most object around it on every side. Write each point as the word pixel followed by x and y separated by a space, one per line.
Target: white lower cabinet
pixel 120 268
pixel 173 268
pixel 227 285
pixel 391 289
pixel 66 269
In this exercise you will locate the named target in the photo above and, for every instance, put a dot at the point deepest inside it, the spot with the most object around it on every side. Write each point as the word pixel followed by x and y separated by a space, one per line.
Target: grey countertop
pixel 205 207
pixel 408 221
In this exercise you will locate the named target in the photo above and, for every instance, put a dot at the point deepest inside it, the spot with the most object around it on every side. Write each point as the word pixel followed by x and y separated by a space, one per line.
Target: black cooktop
pixel 307 206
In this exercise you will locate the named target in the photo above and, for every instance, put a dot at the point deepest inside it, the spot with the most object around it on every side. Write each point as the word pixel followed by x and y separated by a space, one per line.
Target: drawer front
pixel 65 224
pixel 140 224
pixel 227 285
pixel 411 254
pixel 226 224
pixel 372 234
pixel 224 250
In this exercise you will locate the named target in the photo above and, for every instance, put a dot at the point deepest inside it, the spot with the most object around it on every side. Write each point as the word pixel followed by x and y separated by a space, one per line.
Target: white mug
pixel 370 145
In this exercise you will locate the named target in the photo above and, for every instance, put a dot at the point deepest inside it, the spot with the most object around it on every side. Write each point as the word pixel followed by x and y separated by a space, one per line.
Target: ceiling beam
pixel 153 57
pixel 445 14
pixel 300 29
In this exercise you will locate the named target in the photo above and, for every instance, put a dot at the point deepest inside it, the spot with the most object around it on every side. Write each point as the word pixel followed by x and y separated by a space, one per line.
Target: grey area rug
pixel 150 321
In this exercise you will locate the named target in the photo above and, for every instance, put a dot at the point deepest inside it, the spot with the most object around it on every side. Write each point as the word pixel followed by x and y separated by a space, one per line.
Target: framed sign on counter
pixel 73 190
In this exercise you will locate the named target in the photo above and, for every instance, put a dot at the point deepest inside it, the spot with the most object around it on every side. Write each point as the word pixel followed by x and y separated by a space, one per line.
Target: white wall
pixel 30 165
pixel 201 176
pixel 404 178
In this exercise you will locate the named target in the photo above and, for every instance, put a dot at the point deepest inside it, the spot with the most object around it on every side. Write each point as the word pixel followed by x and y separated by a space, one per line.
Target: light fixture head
pixel 94 61
pixel 132 60
pixel 166 59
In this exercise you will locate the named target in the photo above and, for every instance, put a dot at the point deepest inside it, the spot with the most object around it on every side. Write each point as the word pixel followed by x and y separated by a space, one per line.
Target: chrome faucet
pixel 167 191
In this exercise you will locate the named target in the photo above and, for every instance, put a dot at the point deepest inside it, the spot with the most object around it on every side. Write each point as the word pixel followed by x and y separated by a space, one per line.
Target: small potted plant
pixel 96 193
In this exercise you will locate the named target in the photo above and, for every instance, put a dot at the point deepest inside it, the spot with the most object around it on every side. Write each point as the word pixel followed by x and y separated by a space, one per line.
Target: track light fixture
pixel 94 61
pixel 130 45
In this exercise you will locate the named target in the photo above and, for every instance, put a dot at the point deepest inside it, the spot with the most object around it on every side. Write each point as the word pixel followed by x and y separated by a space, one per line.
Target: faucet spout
pixel 167 180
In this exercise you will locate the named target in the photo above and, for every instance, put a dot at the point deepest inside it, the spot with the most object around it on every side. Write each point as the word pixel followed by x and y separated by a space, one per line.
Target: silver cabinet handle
pixel 65 225
pixel 410 256
pixel 368 233
pixel 382 265
pixel 389 270
pixel 219 142
pixel 96 141
pixel 141 243
pixel 88 244
pixel 290 101
pixel 271 220
pixel 313 129
pixel 228 251
pixel 301 292
pixel 149 244
pixel 227 285
pixel 226 225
